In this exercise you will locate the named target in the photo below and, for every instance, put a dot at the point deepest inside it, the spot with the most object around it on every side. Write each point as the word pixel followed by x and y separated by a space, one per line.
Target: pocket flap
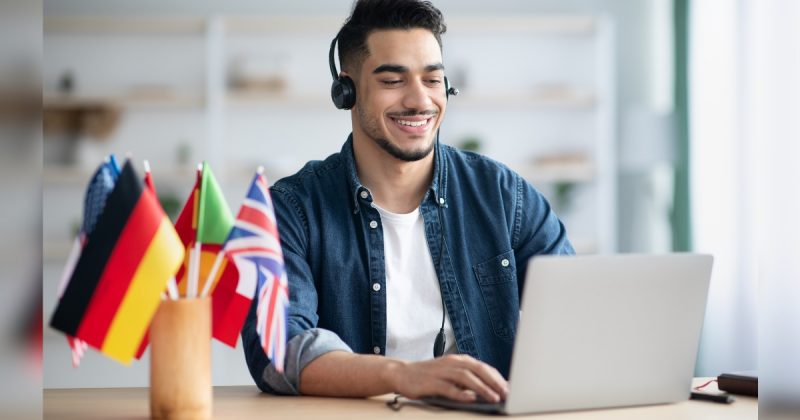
pixel 497 269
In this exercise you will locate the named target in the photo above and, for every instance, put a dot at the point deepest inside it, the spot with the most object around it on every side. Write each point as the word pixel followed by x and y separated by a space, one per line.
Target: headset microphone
pixel 451 90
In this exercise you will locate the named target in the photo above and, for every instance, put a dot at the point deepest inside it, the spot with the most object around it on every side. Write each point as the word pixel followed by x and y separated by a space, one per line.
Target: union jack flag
pixel 254 246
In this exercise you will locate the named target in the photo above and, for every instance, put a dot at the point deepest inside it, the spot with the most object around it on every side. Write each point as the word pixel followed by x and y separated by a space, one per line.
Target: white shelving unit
pixel 563 72
pixel 547 96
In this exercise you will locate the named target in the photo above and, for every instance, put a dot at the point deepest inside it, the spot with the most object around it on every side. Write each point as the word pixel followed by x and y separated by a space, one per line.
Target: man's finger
pixel 493 378
pixel 469 380
pixel 452 391
pixel 487 374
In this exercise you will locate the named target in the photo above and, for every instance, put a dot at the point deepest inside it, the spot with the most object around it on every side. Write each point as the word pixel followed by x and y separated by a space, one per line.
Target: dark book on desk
pixel 742 383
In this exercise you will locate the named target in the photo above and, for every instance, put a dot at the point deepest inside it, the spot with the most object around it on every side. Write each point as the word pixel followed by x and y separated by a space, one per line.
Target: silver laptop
pixel 605 331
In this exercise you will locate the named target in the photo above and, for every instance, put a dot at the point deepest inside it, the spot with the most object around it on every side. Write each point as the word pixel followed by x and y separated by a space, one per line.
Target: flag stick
pixel 172 289
pixel 193 276
pixel 212 275
pixel 72 261
pixel 194 271
pixel 189 271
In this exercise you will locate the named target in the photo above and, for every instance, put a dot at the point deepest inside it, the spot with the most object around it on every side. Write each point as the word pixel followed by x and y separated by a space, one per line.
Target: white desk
pixel 242 402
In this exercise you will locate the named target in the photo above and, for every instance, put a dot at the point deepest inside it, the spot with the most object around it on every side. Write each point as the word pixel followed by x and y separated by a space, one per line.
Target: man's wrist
pixel 390 372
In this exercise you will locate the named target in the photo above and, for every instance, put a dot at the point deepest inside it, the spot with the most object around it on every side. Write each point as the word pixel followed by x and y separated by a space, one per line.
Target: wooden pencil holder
pixel 180 360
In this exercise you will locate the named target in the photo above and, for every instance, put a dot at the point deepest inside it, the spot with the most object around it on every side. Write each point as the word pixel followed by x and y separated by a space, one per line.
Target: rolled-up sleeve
pixel 301 350
pixel 306 342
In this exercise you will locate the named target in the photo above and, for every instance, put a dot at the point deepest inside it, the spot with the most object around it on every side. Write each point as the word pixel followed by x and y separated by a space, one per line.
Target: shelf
pixel 533 100
pixel 76 176
pixel 543 25
pixel 129 101
pixel 579 172
pixel 244 99
pixel 128 25
pixel 262 25
pixel 554 24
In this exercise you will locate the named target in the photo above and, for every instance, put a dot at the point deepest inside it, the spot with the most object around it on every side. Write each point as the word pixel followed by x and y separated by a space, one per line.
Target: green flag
pixel 214 220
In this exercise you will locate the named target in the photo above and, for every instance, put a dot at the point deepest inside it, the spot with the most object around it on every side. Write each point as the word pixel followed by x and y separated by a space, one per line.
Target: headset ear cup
pixel 343 93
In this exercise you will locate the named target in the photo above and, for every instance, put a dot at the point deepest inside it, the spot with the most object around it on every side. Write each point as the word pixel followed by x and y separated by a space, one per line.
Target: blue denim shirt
pixel 482 224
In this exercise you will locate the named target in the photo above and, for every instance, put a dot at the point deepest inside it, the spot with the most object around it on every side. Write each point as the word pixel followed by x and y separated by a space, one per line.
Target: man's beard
pixel 405 155
pixel 370 127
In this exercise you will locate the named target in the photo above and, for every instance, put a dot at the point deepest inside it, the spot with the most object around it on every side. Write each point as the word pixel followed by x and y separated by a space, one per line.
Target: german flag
pixel 116 286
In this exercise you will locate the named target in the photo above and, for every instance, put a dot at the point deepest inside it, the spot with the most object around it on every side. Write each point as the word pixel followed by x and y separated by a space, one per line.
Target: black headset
pixel 343 94
pixel 343 90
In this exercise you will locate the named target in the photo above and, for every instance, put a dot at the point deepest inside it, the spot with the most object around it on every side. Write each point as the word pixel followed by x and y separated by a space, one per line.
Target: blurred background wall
pixel 576 95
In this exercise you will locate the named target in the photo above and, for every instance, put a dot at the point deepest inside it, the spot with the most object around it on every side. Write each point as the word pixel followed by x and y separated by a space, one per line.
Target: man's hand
pixel 458 377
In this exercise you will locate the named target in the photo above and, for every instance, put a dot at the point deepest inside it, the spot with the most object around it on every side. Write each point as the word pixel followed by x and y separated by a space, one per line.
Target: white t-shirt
pixel 413 296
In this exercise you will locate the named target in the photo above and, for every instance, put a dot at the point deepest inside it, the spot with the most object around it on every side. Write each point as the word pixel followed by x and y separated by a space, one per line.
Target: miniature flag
pixel 203 225
pixel 115 288
pixel 214 222
pixel 214 218
pixel 99 188
pixel 254 246
pixel 186 226
pixel 206 200
pixel 172 290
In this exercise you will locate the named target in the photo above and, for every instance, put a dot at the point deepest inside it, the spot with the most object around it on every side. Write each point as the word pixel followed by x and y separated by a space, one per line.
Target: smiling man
pixel 405 257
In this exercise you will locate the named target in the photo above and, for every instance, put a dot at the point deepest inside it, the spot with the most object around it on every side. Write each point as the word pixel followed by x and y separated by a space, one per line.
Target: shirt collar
pixel 438 185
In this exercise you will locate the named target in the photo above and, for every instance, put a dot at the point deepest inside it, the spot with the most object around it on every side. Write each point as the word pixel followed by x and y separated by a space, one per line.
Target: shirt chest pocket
pixel 497 278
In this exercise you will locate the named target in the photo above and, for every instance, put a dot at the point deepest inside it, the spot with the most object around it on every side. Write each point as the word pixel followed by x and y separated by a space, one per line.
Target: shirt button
pixel 505 262
pixel 376 287
pixel 441 200
pixel 364 194
pixel 373 224
pixel 376 350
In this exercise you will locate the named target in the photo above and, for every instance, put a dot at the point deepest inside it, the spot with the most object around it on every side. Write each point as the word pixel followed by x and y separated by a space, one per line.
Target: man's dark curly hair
pixel 371 15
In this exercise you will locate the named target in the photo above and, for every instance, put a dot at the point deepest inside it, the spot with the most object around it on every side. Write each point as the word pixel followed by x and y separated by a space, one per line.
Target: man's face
pixel 400 92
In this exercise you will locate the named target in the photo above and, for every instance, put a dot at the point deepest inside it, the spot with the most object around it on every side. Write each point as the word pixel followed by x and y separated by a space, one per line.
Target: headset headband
pixel 331 61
